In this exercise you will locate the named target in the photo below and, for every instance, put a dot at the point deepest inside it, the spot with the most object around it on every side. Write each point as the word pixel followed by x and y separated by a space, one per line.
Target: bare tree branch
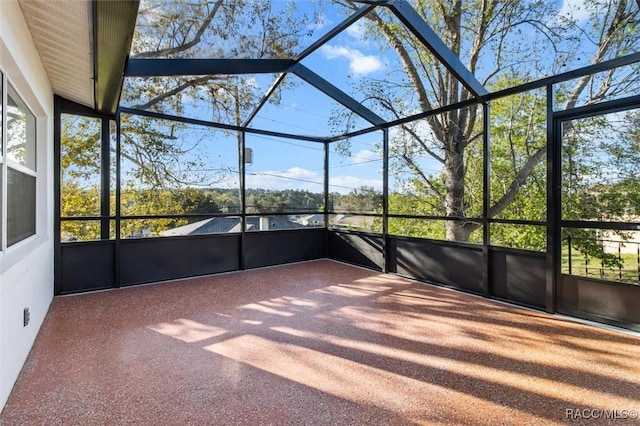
pixel 414 167
pixel 421 142
pixel 185 44
pixel 603 48
pixel 519 181
pixel 164 95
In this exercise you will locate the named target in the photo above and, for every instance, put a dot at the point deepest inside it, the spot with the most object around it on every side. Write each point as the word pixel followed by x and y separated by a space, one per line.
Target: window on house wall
pixel 18 169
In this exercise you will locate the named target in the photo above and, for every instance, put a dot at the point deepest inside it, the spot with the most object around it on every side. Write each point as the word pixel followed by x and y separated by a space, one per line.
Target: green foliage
pixel 418 228
pixel 414 202
pixel 588 244
pixel 365 199
pixel 527 237
pixel 601 165
pixel 503 43
pixel 76 201
pixel 282 201
pixel 80 148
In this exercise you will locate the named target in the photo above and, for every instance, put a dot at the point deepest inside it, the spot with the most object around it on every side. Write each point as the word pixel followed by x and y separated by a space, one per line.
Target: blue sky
pixel 345 61
pixel 304 110
pixel 291 164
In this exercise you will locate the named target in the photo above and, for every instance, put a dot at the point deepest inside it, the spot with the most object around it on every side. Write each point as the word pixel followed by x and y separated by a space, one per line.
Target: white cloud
pixel 359 63
pixel 356 30
pixel 575 9
pixel 345 184
pixel 363 156
pixel 299 173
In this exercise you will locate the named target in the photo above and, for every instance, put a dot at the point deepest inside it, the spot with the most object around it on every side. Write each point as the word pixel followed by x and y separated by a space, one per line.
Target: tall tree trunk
pixel 454 183
pixel 453 130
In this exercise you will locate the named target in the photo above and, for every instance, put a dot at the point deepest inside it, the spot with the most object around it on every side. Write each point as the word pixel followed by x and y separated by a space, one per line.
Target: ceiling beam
pixel 335 31
pixel 113 26
pixel 178 66
pixel 206 123
pixel 336 94
pixel 264 99
pixel 306 52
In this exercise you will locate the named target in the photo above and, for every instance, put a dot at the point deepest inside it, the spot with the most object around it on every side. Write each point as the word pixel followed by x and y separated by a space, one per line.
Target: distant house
pixel 614 243
pixel 140 233
pixel 309 220
pixel 221 225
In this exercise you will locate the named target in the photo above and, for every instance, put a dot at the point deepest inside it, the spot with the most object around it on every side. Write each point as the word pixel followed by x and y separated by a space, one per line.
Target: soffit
pixel 62 32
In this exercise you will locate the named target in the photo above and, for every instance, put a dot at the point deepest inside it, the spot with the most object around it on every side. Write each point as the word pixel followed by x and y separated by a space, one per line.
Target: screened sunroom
pixel 429 196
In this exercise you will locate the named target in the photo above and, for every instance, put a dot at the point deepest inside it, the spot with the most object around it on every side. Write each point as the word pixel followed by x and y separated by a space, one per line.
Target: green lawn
pixel 593 268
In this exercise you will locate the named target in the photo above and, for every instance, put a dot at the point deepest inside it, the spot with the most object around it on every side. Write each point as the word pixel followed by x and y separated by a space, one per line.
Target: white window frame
pixel 5 163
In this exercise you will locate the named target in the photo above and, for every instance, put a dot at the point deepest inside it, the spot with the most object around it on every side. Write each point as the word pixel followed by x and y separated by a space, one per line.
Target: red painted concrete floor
pixel 318 343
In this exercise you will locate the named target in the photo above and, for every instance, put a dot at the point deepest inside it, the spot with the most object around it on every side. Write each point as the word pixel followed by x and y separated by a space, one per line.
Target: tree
pixel 601 165
pixel 282 201
pixel 198 29
pixel 210 29
pixel 366 199
pixel 491 38
pixel 162 157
